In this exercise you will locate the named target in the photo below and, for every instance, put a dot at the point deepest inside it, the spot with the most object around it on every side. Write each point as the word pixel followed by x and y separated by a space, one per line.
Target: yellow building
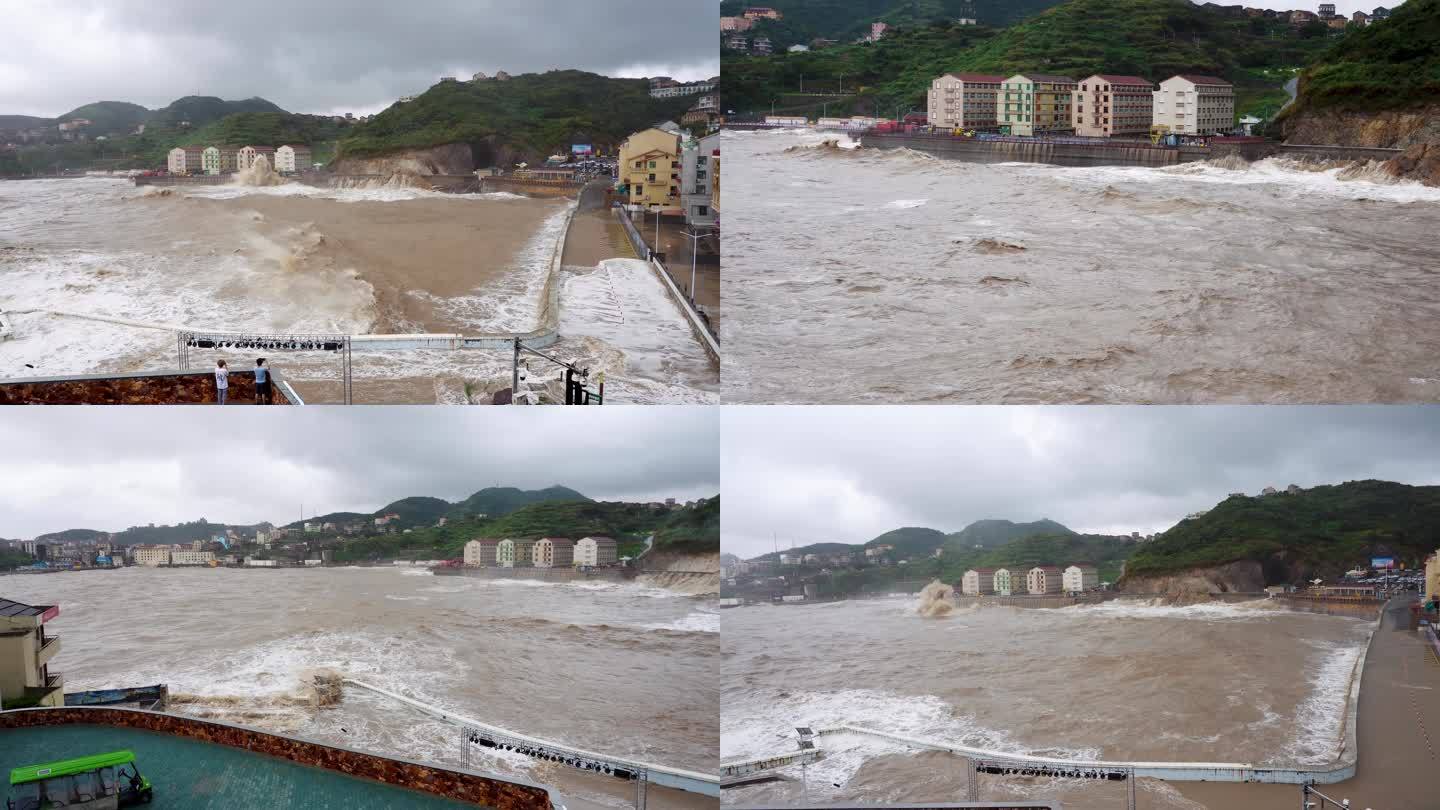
pixel 1036 103
pixel 25 653
pixel 1432 577
pixel 650 169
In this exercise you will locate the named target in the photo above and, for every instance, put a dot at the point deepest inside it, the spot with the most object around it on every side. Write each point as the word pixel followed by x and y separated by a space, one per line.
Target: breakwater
pixel 1036 150
pixel 541 574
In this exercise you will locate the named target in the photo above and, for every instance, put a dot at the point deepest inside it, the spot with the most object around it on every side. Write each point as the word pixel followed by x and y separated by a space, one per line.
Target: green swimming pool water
pixel 200 776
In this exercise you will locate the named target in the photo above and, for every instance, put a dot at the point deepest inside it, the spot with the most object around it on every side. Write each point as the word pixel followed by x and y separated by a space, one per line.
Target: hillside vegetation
pixel 847 20
pixel 1391 64
pixel 537 113
pixel 693 528
pixel 1151 38
pixel 1323 531
pixel 420 510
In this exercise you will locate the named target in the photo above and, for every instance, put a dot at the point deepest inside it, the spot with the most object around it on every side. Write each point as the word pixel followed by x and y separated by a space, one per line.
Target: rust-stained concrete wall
pixel 470 787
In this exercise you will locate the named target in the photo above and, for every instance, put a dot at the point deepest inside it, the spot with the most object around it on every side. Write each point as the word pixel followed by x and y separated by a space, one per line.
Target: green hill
pixel 847 20
pixel 1150 38
pixel 202 110
pixel 71 536
pixel 813 548
pixel 691 528
pixel 109 117
pixel 1391 64
pixel 499 501
pixel 1322 531
pixel 416 510
pixel 628 523
pixel 992 533
pixel 534 114
pixel 910 541
pixel 24 122
pixel 1105 551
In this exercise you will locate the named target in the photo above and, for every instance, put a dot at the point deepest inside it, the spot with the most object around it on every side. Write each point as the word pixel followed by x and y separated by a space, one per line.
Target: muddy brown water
pixel 625 669
pixel 1123 680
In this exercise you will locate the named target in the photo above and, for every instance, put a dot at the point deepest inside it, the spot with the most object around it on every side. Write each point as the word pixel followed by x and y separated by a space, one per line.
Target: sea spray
pixel 259 173
pixel 936 600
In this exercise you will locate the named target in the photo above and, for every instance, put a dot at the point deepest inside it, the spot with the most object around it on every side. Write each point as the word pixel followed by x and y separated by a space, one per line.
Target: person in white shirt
pixel 222 382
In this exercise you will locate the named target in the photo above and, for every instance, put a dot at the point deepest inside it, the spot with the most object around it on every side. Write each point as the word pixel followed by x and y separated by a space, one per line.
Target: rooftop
pixel 197 776
pixel 12 608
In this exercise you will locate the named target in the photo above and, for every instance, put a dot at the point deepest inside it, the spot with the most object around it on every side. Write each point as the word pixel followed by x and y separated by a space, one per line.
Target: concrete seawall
pixel 541 574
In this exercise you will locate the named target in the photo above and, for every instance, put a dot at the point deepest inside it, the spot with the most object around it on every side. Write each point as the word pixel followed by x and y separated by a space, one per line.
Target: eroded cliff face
pixel 451 159
pixel 678 572
pixel 1417 131
pixel 1196 584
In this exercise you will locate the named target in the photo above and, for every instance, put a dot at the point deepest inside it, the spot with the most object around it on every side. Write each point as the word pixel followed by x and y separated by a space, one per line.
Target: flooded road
pixel 858 275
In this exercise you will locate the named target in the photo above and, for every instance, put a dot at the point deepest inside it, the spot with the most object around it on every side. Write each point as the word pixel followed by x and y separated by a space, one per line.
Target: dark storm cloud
pixel 328 55
pixel 113 468
pixel 847 474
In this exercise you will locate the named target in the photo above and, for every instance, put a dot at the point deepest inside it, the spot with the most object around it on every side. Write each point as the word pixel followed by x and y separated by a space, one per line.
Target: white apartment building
pixel 245 158
pixel 978 582
pixel 153 556
pixel 963 100
pixel 1107 105
pixel 1007 581
pixel 191 557
pixel 675 91
pixel 183 159
pixel 553 552
pixel 1044 579
pixel 594 551
pixel 695 180
pixel 1195 105
pixel 1081 577
pixel 289 159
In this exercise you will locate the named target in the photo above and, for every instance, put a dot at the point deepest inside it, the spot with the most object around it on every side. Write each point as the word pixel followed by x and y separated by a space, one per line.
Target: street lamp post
pixel 694 252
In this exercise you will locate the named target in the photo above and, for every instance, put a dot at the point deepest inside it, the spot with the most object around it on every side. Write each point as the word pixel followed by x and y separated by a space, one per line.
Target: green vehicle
pixel 99 782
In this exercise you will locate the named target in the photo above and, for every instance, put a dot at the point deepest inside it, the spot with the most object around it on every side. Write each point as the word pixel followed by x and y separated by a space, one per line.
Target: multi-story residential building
pixel 964 101
pixel 186 160
pixel 1360 18
pixel 153 556
pixel 877 31
pixel 738 42
pixel 245 158
pixel 978 582
pixel 1327 10
pixel 762 46
pixel 595 551
pixel 762 13
pixel 25 653
pixel 1380 13
pixel 1107 105
pixel 735 24
pixel 514 553
pixel 1044 579
pixel 1037 102
pixel 649 166
pixel 218 159
pixel 1195 105
pixel 292 158
pixel 1007 581
pixel 191 557
pixel 481 552
pixel 1080 577
pixel 695 178
pixel 675 90
pixel 553 552
pixel 715 186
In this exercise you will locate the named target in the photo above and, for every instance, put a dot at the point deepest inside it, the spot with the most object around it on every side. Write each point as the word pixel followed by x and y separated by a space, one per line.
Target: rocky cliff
pixel 1195 585
pixel 694 574
pixel 1415 130
pixel 451 159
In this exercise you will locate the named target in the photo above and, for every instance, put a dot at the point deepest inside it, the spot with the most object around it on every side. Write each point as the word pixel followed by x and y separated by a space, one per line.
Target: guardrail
pixel 494 736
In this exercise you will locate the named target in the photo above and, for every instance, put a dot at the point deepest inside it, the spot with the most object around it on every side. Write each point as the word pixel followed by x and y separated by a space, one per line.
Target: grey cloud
pixel 112 468
pixel 328 55
pixel 814 474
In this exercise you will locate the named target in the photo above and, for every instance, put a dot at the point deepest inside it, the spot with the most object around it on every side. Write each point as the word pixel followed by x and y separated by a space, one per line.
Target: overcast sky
pixel 112 468
pixel 328 56
pixel 813 474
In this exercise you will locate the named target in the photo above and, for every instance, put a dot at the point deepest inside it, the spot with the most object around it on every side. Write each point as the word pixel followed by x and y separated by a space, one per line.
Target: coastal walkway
pixel 478 733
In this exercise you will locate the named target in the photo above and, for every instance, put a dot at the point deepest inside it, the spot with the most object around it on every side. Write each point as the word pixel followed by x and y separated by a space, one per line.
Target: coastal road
pixel 1398 732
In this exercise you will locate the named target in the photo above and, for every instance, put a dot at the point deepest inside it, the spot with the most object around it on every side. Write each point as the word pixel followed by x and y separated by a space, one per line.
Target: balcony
pixel 48 648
